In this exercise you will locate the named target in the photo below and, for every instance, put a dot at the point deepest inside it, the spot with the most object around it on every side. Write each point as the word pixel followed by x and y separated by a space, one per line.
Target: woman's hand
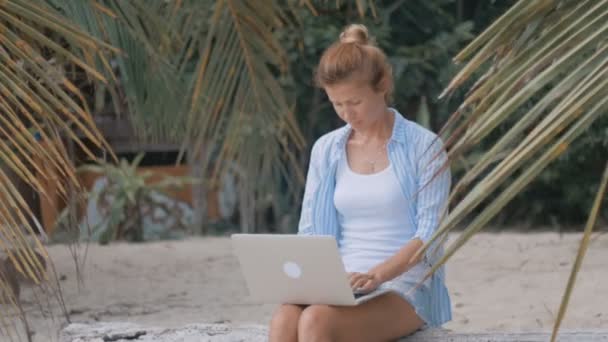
pixel 364 282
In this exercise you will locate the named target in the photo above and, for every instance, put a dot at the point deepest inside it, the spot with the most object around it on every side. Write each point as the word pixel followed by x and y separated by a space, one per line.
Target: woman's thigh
pixel 284 323
pixel 384 318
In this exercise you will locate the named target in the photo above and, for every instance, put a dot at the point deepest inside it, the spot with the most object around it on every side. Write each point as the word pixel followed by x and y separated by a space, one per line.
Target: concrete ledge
pixel 125 332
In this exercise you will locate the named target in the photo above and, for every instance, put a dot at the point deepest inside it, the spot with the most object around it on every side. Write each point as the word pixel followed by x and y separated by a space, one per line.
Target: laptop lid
pixel 293 269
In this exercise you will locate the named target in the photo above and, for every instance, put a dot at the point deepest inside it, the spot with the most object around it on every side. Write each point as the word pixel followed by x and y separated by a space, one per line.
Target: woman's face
pixel 357 103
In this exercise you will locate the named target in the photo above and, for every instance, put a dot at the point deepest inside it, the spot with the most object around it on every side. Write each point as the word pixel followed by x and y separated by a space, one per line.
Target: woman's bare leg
pixel 384 318
pixel 284 323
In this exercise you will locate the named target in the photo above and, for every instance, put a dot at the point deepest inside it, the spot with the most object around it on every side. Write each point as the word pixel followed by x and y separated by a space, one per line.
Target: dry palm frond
pixel 40 109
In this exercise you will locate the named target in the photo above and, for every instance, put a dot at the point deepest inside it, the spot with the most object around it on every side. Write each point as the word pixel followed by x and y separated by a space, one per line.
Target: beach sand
pixel 498 282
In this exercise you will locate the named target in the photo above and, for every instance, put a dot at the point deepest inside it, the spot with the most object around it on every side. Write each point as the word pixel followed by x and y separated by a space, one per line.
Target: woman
pixel 379 186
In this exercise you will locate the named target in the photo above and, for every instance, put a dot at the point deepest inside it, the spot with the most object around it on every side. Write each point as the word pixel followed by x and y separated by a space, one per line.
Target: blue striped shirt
pixel 419 160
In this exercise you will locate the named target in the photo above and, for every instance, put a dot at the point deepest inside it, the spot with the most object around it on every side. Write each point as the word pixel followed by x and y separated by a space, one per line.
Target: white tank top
pixel 372 215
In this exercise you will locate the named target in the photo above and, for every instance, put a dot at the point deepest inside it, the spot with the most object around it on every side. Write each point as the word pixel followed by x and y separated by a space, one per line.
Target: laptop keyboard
pixel 358 295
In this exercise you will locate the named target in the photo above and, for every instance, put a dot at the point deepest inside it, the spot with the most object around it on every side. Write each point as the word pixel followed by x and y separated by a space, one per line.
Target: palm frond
pixel 515 186
pixel 550 57
pixel 212 85
pixel 581 252
pixel 40 109
pixel 237 102
pixel 152 88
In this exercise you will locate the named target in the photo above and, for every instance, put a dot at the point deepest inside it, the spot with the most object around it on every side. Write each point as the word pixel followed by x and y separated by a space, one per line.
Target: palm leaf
pixel 212 85
pixel 551 57
pixel 560 88
pixel 237 102
pixel 529 118
pixel 581 253
pixel 516 186
pixel 40 108
pixel 149 81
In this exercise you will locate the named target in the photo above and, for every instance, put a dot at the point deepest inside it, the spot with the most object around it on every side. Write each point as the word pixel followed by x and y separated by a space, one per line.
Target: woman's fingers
pixel 359 284
pixel 353 278
pixel 369 286
pixel 362 282
pixel 359 280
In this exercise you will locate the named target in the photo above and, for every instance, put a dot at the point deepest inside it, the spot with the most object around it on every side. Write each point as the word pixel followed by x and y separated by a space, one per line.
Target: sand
pixel 498 282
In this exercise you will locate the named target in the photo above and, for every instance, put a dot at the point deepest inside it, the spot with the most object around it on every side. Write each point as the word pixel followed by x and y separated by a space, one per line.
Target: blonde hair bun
pixel 355 33
pixel 355 57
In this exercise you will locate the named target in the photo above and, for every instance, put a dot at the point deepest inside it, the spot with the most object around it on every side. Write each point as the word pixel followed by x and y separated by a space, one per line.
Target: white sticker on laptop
pixel 292 270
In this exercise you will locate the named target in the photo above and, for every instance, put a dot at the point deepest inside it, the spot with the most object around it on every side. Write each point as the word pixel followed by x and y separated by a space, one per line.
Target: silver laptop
pixel 295 269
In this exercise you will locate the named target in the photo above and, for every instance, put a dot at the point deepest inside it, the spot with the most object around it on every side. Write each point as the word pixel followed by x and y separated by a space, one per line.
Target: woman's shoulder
pixel 421 139
pixel 323 145
pixel 410 133
pixel 419 133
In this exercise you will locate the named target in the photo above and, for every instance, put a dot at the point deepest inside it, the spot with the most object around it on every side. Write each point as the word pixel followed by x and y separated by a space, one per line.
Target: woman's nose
pixel 349 114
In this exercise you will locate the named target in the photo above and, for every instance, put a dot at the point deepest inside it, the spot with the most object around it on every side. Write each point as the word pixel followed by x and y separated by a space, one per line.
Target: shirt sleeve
pixel 434 183
pixel 312 183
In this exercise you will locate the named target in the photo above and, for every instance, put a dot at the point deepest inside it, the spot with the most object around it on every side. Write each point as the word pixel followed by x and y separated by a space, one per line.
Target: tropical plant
pixel 204 80
pixel 210 83
pixel 169 61
pixel 550 55
pixel 128 204
pixel 419 51
pixel 40 107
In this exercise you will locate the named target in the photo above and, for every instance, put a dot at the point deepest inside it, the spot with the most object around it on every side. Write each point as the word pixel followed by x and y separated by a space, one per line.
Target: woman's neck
pixel 380 131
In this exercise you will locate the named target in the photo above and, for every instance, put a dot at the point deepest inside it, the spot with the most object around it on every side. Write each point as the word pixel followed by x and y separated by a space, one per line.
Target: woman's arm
pixel 394 266
pixel 313 179
pixel 399 263
pixel 433 190
pixel 431 202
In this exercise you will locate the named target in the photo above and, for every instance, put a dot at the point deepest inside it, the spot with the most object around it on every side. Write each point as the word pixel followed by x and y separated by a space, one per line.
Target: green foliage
pixel 127 201
pixel 560 197
pixel 420 38
pixel 545 86
pixel 584 246
pixel 563 194
pixel 306 41
pixel 203 74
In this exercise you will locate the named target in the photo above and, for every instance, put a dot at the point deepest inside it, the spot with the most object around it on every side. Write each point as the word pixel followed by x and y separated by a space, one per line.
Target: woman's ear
pixel 384 85
pixel 385 88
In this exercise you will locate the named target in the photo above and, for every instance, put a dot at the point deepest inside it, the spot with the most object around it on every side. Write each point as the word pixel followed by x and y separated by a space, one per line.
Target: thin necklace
pixel 372 162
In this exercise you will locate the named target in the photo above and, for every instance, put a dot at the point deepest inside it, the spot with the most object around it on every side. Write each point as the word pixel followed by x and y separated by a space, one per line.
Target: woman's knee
pixel 316 324
pixel 284 323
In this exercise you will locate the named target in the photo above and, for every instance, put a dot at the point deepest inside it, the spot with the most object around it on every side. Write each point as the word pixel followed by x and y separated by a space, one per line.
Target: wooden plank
pixel 124 332
pixel 565 336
